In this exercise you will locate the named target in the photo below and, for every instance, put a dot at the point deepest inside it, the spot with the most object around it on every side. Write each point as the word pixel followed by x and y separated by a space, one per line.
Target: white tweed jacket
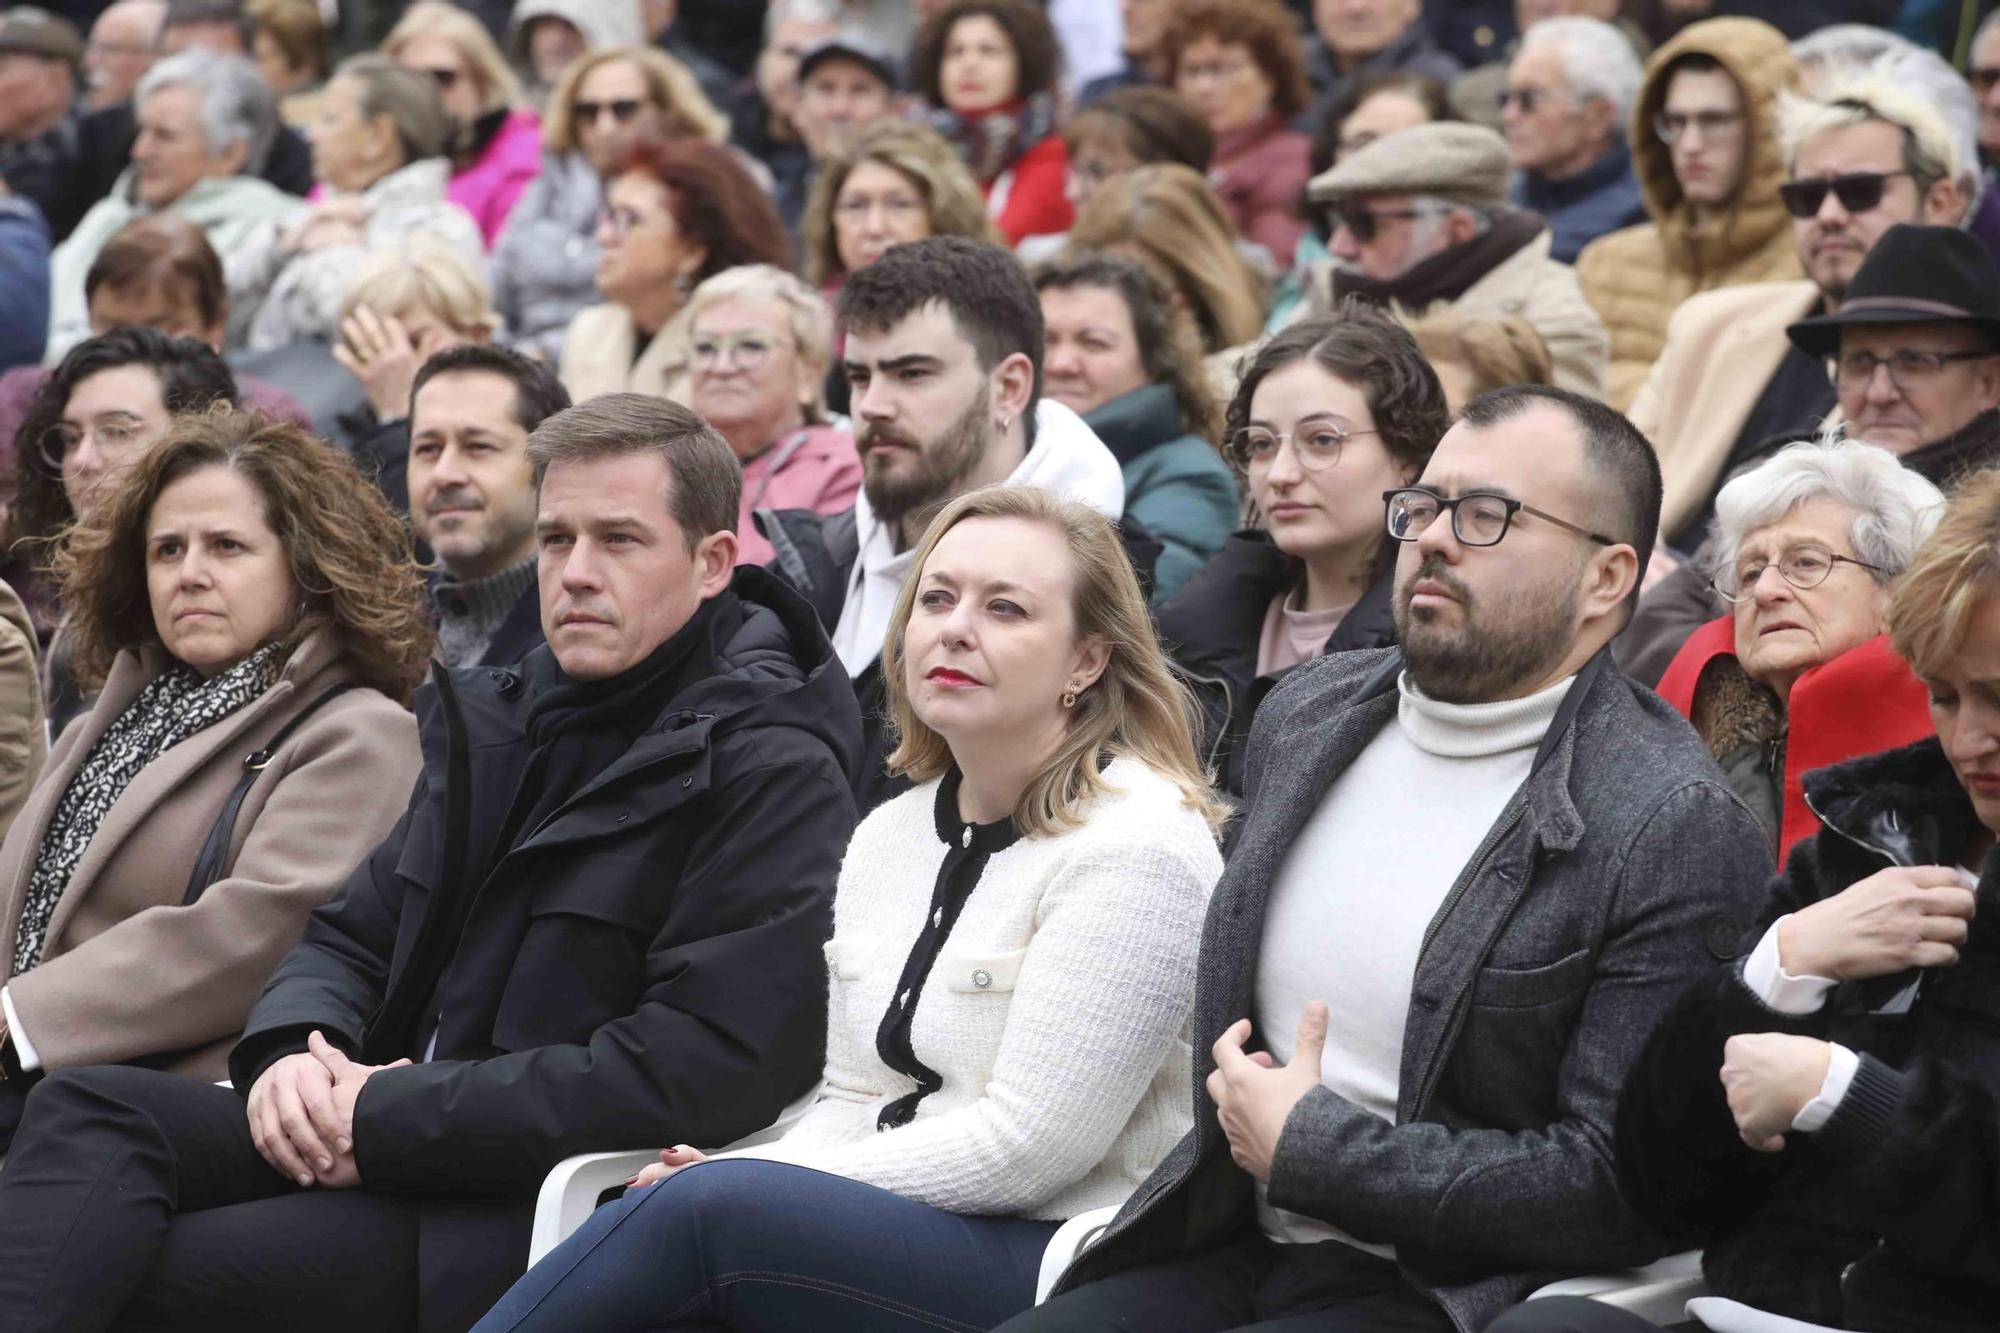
pixel 1056 1014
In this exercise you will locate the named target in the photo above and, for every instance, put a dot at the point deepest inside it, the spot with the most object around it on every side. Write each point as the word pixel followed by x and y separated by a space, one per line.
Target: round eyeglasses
pixel 1317 447
pixel 1803 567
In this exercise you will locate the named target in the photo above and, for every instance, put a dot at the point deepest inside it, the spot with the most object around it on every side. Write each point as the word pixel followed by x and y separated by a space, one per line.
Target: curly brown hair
pixel 349 554
pixel 1261 27
pixel 1037 53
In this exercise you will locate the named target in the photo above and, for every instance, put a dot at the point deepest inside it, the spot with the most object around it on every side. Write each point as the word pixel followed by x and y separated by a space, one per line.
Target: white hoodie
pixel 1067 457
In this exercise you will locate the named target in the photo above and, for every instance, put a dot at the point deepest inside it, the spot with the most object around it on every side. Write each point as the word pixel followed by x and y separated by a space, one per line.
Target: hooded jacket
pixel 602 22
pixel 1175 483
pixel 1636 277
pixel 644 966
pixel 1888 1217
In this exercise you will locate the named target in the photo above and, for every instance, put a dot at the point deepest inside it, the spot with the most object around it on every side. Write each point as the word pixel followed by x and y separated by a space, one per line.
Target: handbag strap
pixel 208 866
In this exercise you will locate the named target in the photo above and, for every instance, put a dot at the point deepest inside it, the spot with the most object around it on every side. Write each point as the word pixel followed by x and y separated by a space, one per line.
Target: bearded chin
pixel 1492 652
pixel 900 484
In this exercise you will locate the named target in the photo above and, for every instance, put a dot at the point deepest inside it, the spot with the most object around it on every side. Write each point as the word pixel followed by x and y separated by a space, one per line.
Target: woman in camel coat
pixel 224 650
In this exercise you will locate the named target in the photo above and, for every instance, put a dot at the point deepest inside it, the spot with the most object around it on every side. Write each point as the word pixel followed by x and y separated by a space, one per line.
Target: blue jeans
pixel 750 1245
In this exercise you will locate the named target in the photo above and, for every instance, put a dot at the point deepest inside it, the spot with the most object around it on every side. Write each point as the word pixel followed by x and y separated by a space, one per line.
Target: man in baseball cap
pixel 1420 217
pixel 844 83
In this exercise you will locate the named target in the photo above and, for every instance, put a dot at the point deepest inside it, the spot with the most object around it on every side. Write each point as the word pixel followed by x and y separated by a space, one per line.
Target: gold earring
pixel 1069 699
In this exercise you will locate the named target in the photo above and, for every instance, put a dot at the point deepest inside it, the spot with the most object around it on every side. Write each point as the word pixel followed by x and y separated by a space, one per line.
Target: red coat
pixel 1029 198
pixel 1863 701
pixel 1260 173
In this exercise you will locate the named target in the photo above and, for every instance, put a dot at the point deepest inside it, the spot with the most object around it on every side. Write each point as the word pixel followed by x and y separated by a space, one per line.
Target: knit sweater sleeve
pixel 1101 1000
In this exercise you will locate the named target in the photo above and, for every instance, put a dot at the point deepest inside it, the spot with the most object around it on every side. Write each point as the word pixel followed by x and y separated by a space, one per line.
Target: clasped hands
pixel 302 1114
pixel 1254 1095
pixel 1914 916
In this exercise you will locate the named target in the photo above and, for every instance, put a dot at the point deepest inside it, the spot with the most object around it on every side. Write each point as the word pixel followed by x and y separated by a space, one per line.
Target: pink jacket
pixel 821 472
pixel 1259 172
pixel 489 187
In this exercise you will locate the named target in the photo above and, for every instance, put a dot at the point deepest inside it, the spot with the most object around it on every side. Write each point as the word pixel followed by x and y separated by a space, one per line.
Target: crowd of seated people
pixel 1283 665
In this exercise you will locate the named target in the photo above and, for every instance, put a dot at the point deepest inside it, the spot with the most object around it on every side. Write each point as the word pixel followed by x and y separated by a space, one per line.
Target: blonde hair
pixel 919 154
pixel 422 273
pixel 1954 571
pixel 1496 350
pixel 806 316
pixel 1137 709
pixel 1929 154
pixel 489 69
pixel 1168 217
pixel 685 111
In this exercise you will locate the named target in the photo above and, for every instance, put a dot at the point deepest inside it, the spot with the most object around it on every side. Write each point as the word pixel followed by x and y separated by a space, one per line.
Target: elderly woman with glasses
pixel 1798 675
pixel 759 343
pixel 1329 415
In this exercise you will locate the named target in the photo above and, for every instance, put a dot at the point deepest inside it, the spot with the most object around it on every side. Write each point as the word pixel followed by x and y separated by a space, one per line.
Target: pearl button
pixel 968 836
pixel 982 978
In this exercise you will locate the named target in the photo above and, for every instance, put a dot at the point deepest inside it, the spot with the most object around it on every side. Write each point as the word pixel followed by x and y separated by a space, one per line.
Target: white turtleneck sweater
pixel 1362 883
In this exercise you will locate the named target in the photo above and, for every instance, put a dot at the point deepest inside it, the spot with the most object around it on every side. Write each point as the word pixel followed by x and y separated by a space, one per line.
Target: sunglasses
pixel 623 110
pixel 1364 223
pixel 1858 192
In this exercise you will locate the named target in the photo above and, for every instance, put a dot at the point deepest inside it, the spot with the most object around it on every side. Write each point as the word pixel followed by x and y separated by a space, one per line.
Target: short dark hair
pixel 1623 460
pixel 162 250
pixel 1156 125
pixel 1370 349
pixel 1169 348
pixel 983 288
pixel 181 13
pixel 707 478
pixel 1263 28
pixel 538 394
pixel 1037 53
pixel 192 378
pixel 716 202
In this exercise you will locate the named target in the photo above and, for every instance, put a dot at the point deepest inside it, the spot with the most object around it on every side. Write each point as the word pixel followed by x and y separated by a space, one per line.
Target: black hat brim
pixel 1820 336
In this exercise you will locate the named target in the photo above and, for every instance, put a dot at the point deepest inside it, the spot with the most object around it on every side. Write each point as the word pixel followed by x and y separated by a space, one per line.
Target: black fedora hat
pixel 1914 275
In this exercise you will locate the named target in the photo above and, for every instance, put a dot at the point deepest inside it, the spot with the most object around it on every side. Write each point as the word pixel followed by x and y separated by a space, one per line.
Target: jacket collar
pixel 1544 195
pixel 1132 424
pixel 1967 449
pixel 1866 800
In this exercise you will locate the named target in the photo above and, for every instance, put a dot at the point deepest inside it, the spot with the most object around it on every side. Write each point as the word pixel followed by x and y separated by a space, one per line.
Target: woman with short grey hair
pixel 1807 550
pixel 205 127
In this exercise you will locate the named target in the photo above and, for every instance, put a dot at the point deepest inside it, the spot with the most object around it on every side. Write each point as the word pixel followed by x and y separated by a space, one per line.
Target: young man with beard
pixel 944 357
pixel 1474 872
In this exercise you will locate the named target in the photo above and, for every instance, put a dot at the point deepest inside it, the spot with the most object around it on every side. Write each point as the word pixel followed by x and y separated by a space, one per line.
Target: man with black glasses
pixel 1420 217
pixel 1861 160
pixel 1474 872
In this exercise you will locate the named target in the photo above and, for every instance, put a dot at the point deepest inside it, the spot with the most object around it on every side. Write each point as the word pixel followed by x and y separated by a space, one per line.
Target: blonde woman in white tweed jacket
pixel 1010 974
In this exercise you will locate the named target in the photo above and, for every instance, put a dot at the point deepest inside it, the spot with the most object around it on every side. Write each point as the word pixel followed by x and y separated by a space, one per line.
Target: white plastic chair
pixel 1658 1292
pixel 570 1192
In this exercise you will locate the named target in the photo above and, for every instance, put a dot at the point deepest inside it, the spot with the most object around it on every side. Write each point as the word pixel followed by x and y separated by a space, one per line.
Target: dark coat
pixel 1903 1183
pixel 1212 626
pixel 642 968
pixel 1622 867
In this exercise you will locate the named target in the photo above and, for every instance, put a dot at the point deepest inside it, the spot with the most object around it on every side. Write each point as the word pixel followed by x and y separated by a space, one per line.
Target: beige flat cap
pixel 1466 164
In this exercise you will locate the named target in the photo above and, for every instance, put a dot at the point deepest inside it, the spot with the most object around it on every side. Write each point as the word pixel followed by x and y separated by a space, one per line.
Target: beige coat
pixel 1722 349
pixel 599 352
pixel 23 738
pixel 1637 277
pixel 130 972
pixel 1535 288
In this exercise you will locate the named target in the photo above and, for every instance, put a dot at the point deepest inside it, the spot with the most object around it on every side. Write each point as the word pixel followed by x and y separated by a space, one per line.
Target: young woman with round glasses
pixel 1329 414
